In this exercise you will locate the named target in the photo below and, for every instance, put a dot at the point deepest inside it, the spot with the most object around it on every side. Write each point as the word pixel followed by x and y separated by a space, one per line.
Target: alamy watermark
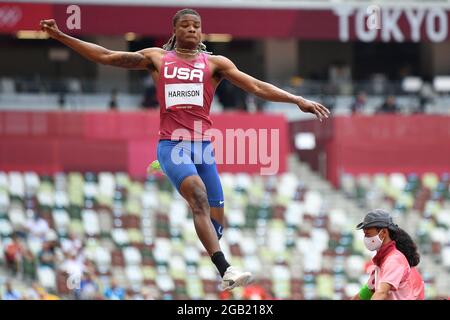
pixel 235 146
pixel 73 21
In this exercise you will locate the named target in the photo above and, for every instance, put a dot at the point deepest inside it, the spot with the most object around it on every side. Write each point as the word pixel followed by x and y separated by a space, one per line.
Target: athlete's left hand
pixel 313 107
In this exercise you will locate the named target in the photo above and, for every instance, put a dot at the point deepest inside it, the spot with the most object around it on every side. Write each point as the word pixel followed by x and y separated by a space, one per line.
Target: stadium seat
pixel 47 277
pixel 90 222
pixel 16 185
pixel 120 237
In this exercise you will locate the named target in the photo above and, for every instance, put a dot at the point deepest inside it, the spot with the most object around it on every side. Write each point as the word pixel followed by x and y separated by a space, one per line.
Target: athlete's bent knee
pixel 199 201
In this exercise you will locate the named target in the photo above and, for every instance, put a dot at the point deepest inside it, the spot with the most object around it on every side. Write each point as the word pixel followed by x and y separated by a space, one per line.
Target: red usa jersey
pixel 185 93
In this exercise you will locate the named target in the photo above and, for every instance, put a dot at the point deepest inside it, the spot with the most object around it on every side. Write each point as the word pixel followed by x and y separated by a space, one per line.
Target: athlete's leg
pixel 184 177
pixel 194 191
pixel 175 158
pixel 207 170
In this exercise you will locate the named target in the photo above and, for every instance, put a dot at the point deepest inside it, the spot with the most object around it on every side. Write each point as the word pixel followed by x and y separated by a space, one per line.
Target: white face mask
pixel 373 243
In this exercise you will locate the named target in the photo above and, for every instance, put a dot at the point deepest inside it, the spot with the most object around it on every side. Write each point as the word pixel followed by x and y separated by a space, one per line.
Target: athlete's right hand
pixel 50 27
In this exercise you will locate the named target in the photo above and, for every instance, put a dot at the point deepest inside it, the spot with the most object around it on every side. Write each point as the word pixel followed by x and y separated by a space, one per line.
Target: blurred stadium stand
pixel 81 234
pixel 294 231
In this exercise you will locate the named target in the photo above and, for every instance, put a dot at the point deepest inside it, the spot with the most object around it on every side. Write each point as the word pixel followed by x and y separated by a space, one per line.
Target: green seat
pixel 194 287
pixel 149 273
pixel 325 286
pixel 76 226
pixel 135 236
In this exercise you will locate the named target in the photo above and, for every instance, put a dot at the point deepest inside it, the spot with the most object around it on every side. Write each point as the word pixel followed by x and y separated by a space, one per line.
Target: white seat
pixel 47 277
pixel 90 189
pixel 90 222
pixel 351 289
pixel 106 184
pixel 294 213
pixel 397 180
pixel 243 181
pixel 61 198
pixel 320 237
pixel 17 217
pixel 165 283
pixel 207 271
pixel 365 181
pixel 102 258
pixel 233 236
pixel 132 256
pixel 120 236
pixel 248 245
pixel 5 228
pixel 439 235
pixel 338 219
pixel 313 202
pixel 105 221
pixel 354 265
pixel 32 181
pixel 347 183
pixel 177 265
pixel 163 249
pixel 46 197
pixel 228 180
pixel 280 272
pixel 16 184
pixel 4 200
pixel 252 264
pixel 191 254
pixel 236 217
pixel 60 181
pixel 277 239
pixel 178 213
pixel 134 275
pixel 446 256
pixel 61 220
pixel 288 185
pixel 150 200
pixel 4 180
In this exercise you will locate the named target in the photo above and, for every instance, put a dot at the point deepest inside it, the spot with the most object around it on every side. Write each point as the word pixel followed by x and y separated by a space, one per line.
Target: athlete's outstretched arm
pixel 96 53
pixel 264 90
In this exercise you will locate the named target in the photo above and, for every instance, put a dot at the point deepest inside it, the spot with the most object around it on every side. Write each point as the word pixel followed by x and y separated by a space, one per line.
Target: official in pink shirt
pixel 393 275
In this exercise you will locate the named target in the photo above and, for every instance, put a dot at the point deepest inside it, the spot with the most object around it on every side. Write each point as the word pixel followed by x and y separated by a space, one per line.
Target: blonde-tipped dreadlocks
pixel 171 44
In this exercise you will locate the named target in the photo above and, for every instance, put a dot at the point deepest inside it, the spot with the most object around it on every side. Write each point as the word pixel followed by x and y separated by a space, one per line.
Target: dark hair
pixel 171 43
pixel 405 245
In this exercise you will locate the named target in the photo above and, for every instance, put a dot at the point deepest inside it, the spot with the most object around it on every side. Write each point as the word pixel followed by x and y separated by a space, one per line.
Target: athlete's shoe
pixel 233 278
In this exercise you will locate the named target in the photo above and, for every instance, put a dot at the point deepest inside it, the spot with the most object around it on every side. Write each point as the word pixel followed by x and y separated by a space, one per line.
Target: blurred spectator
pixel 113 100
pixel 379 83
pixel 10 293
pixel 72 243
pixel 37 226
pixel 340 78
pixel 73 264
pixel 13 254
pixel 44 295
pixel 114 292
pixel 426 96
pixel 29 265
pixel 32 293
pixel 389 105
pixel 62 100
pixel 149 100
pixel 47 256
pixel 359 103
pixel 89 289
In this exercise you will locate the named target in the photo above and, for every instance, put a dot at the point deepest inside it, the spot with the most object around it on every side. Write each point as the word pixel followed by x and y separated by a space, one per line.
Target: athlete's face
pixel 188 31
